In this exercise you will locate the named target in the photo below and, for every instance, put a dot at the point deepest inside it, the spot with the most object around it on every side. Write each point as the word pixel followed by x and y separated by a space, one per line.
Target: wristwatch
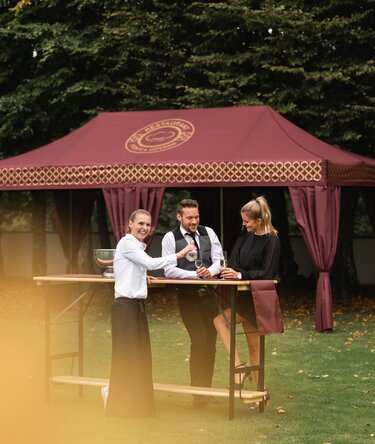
pixel 239 275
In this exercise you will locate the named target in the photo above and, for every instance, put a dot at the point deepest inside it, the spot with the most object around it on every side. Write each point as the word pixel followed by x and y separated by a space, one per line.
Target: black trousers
pixel 198 309
pixel 131 392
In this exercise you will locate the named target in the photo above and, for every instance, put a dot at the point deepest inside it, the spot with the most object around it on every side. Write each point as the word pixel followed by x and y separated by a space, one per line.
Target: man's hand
pixel 150 278
pixel 203 272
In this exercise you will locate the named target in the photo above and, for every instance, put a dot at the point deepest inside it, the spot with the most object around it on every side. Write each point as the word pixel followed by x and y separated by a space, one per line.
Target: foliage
pixel 16 212
pixel 144 53
pixel 312 64
pixel 362 226
pixel 50 82
pixel 167 219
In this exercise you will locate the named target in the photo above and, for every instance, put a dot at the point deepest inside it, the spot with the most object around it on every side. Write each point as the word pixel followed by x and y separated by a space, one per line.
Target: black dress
pixel 131 393
pixel 257 258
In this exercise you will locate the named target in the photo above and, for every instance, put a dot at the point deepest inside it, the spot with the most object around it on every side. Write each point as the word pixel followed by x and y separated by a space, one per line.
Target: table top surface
pixel 157 282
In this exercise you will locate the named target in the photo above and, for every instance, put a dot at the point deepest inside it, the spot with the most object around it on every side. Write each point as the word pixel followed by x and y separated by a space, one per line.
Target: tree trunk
pixel 39 251
pixel 104 237
pixel 344 272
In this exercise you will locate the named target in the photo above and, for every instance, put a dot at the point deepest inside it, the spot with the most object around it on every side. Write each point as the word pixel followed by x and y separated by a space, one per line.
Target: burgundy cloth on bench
pixel 267 307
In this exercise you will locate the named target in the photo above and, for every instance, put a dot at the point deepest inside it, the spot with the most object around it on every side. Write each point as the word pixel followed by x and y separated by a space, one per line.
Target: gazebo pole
pixel 70 232
pixel 222 217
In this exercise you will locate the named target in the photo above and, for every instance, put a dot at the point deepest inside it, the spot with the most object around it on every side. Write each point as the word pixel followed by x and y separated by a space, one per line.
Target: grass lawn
pixel 322 385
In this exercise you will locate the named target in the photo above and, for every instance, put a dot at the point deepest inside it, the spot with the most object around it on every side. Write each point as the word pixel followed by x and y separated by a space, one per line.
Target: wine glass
pixel 198 261
pixel 223 261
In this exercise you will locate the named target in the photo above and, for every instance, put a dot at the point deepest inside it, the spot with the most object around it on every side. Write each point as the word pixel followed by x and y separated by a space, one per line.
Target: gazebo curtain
pixel 73 215
pixel 317 210
pixel 121 202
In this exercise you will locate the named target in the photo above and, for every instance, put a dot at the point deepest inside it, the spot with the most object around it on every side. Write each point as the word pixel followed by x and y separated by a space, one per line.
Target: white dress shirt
pixel 130 267
pixel 168 245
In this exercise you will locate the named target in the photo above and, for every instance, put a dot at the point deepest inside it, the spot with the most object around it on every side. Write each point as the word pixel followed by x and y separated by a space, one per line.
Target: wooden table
pixel 48 283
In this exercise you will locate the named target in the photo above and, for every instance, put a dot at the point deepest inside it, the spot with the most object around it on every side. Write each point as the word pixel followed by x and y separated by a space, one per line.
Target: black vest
pixel 204 248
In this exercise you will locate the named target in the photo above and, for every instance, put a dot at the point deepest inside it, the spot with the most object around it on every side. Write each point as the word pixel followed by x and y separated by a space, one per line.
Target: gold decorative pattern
pixel 158 173
pixel 352 173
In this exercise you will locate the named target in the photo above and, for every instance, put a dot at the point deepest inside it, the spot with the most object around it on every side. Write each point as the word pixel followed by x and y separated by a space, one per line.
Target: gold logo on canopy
pixel 160 136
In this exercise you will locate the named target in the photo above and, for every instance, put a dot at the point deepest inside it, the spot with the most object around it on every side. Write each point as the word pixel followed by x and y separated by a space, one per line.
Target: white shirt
pixel 130 267
pixel 168 245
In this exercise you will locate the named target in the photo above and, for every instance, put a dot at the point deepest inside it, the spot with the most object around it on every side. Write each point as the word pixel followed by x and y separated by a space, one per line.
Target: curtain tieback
pixel 323 273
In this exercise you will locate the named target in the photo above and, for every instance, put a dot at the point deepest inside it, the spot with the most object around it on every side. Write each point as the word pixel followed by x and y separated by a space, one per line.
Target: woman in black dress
pixel 257 258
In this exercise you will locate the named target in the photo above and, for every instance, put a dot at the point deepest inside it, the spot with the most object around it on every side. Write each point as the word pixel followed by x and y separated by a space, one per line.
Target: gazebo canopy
pixel 194 147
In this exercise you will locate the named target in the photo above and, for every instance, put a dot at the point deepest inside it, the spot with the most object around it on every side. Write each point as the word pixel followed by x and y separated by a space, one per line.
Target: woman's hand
pixel 229 273
pixel 183 252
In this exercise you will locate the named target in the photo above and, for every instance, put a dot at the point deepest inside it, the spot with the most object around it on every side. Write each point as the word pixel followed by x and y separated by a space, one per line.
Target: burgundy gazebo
pixel 133 156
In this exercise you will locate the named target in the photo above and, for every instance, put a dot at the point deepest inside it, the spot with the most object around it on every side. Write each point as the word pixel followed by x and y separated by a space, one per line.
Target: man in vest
pixel 197 306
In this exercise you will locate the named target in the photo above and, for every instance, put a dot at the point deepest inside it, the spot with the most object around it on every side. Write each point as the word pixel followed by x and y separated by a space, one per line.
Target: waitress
pixel 257 258
pixel 130 392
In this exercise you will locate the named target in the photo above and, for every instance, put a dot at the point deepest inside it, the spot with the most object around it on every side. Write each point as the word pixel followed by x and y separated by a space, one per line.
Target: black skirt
pixel 245 308
pixel 131 392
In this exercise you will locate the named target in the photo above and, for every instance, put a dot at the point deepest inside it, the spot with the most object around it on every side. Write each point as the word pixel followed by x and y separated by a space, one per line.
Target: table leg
pixel 80 344
pixel 47 344
pixel 261 369
pixel 232 352
pixel 49 321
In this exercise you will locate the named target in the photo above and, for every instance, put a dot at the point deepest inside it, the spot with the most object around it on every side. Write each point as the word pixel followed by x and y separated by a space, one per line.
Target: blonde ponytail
pixel 258 209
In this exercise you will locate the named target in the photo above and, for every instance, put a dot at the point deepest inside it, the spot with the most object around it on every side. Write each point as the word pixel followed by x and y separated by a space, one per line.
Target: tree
pixel 144 53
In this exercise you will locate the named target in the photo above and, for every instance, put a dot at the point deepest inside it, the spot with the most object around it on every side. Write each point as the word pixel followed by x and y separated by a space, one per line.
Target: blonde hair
pixel 258 209
pixel 135 214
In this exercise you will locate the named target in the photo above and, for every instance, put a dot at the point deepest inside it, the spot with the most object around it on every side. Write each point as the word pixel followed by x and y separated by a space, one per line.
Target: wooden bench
pixel 173 388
